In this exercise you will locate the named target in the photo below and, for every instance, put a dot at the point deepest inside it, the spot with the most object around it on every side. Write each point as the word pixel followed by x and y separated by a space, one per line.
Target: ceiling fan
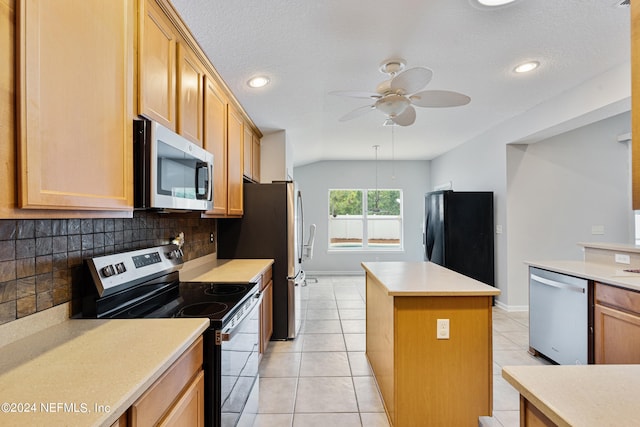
pixel 397 96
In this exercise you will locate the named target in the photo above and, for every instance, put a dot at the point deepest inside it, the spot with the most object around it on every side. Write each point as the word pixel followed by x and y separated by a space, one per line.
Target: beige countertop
pixel 609 274
pixel 586 396
pixel 425 279
pixel 77 369
pixel 207 269
pixel 625 247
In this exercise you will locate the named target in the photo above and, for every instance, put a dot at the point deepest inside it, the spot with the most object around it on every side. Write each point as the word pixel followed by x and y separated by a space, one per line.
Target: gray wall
pixel 558 189
pixel 547 195
pixel 316 179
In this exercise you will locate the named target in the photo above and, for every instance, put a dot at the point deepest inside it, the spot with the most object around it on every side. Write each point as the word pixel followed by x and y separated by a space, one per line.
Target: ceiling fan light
pixel 258 81
pixel 526 67
pixel 392 104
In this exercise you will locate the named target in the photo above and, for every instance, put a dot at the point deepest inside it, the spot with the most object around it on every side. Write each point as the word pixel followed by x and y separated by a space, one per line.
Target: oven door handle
pixel 227 334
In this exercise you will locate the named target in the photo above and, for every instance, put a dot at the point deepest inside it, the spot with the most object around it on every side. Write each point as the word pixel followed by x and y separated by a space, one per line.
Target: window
pixel 365 219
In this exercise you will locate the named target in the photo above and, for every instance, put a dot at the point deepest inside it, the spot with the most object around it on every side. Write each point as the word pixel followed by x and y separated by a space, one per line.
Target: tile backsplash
pixel 41 260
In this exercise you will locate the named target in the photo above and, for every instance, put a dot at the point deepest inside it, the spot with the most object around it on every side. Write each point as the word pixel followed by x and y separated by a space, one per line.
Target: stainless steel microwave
pixel 170 172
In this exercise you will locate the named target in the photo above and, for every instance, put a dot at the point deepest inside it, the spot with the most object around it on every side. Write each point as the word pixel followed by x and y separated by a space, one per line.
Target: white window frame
pixel 364 219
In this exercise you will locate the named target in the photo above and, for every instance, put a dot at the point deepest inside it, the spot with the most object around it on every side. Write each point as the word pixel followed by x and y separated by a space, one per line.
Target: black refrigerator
pixel 271 228
pixel 459 232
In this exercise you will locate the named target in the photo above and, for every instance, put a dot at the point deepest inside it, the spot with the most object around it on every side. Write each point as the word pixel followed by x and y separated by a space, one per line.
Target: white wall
pixel 558 189
pixel 316 179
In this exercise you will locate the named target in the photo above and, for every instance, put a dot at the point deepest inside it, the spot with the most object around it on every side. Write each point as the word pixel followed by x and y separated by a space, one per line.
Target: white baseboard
pixel 511 308
pixel 334 273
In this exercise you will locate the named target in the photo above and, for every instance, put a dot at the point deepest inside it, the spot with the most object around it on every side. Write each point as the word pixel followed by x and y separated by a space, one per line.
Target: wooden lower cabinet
pixel 616 325
pixel 121 422
pixel 425 381
pixel 531 416
pixel 177 397
pixel 189 410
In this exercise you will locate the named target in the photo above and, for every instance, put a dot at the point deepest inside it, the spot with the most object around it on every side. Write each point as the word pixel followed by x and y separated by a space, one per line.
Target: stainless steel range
pixel 145 284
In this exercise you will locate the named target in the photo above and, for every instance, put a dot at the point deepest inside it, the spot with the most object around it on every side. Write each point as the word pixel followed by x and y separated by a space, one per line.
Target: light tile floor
pixel 322 378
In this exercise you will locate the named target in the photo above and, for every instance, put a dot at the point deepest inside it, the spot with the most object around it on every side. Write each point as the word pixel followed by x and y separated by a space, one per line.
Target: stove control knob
pixel 120 268
pixel 108 271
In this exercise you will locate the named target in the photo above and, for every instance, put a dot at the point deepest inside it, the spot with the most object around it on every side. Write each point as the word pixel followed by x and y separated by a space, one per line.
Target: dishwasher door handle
pixel 555 284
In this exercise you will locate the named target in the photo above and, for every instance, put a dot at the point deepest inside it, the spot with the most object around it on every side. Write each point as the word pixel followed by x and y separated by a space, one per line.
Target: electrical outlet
pixel 442 332
pixel 211 238
pixel 622 259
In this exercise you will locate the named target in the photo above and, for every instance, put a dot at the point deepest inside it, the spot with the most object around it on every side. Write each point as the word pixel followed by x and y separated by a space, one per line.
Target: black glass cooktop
pixel 216 301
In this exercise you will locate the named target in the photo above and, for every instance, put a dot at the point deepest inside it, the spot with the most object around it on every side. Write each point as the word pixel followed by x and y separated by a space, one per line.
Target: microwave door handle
pixel 210 182
pixel 199 167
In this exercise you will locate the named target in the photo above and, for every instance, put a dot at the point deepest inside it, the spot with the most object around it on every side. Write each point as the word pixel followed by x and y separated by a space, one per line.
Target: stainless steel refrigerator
pixel 271 227
pixel 459 232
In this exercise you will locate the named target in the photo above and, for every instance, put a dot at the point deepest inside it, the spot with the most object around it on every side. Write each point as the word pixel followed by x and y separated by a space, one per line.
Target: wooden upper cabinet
pixel 75 104
pixel 190 94
pixel 247 143
pixel 235 162
pixel 635 100
pixel 215 141
pixel 255 159
pixel 157 39
pixel 251 146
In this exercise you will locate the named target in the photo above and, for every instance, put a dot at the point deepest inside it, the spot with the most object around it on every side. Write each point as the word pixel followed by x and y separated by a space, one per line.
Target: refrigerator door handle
pixel 428 237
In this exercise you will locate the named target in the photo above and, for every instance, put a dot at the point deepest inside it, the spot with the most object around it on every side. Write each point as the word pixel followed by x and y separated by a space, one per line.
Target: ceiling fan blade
pixel 406 118
pixel 356 113
pixel 439 98
pixel 411 80
pixel 355 94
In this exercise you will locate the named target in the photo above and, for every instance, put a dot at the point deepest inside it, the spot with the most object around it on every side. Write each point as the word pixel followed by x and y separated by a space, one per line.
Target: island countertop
pixel 88 371
pixel 425 279
pixel 583 395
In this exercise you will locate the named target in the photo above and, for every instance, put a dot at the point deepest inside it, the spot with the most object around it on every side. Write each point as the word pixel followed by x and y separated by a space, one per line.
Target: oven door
pixel 239 364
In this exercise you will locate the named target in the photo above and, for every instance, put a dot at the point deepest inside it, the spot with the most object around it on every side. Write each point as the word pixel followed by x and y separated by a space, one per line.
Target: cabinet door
pixel 235 136
pixel 156 65
pixel 617 336
pixel 190 98
pixel 215 141
pixel 75 105
pixel 255 159
pixel 189 410
pixel 247 152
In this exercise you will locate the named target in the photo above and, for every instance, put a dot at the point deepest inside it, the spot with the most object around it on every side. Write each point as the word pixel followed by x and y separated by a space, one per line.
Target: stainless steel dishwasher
pixel 558 316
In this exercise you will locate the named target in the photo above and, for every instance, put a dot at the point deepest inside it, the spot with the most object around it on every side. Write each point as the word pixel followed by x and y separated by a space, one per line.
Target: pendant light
pixel 377 195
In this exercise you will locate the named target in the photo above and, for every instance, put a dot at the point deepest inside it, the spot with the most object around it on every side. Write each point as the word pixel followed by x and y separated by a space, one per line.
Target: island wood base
pixel 425 381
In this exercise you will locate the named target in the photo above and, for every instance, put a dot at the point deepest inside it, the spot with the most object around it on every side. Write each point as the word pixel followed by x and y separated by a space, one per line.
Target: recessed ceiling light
pixel 526 67
pixel 491 4
pixel 494 2
pixel 259 81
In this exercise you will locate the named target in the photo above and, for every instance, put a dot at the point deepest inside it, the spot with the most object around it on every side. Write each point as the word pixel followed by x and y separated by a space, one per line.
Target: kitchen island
pixel 429 343
pixel 585 395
